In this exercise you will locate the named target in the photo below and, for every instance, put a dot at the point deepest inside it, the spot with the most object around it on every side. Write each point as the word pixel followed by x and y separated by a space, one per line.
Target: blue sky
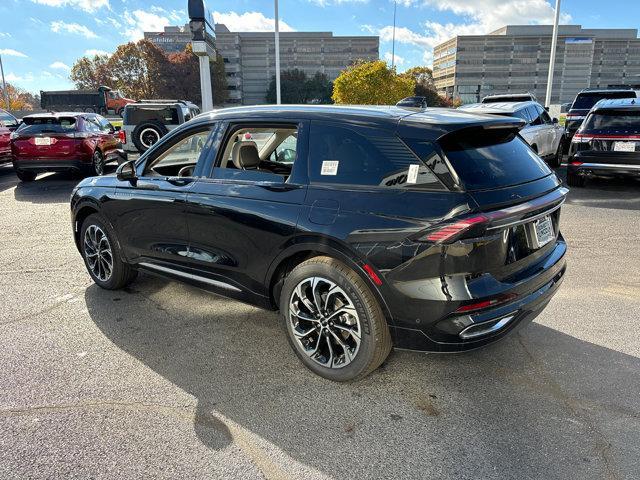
pixel 41 39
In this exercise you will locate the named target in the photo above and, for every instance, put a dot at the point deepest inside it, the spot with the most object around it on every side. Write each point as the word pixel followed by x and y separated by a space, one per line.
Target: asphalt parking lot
pixel 165 381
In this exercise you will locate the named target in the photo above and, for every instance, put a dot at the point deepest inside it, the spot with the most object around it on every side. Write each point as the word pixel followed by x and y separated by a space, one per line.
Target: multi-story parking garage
pixel 515 58
pixel 250 56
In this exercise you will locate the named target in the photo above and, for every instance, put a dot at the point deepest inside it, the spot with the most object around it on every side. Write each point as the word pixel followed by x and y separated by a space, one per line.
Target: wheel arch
pixel 81 211
pixel 307 248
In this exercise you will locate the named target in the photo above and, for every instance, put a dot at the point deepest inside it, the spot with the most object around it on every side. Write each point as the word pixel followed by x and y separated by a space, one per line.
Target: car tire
pixel 575 180
pixel 102 256
pixel 26 175
pixel 97 168
pixel 147 134
pixel 556 160
pixel 119 112
pixel 343 347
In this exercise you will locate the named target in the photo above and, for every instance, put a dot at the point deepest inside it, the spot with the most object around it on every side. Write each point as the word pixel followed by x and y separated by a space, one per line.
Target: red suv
pixel 52 142
pixel 8 123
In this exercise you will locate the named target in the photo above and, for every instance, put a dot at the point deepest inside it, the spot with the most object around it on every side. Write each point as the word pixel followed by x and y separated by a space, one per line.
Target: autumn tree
pixel 371 83
pixel 425 86
pixel 91 73
pixel 19 99
pixel 142 70
pixel 182 78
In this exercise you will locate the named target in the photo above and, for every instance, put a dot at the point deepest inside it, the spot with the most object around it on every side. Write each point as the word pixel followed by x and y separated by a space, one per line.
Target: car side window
pixel 91 125
pixel 7 120
pixel 184 152
pixel 365 156
pixel 104 124
pixel 256 153
pixel 535 116
pixel 544 116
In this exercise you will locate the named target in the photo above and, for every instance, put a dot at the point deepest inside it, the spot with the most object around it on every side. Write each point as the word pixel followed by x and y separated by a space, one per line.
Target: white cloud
pixel 86 5
pixel 249 22
pixel 92 52
pixel 10 52
pixel 73 28
pixel 478 18
pixel 140 21
pixel 5 35
pixel 60 66
pixel 398 59
pixel 12 77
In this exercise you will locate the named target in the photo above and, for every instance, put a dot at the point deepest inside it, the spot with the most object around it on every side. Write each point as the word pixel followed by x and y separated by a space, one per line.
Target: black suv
pixel 366 227
pixel 586 99
pixel 607 144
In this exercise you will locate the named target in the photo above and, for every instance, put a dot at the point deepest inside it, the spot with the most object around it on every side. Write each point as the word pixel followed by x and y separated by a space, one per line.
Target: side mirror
pixel 127 172
pixel 554 120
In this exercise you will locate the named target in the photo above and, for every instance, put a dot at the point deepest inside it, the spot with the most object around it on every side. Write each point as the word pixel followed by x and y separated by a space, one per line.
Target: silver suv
pixel 147 121
pixel 543 133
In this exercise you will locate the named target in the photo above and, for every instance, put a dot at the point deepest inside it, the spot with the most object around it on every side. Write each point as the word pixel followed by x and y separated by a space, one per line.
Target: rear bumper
pixel 52 164
pixel 456 332
pixel 595 168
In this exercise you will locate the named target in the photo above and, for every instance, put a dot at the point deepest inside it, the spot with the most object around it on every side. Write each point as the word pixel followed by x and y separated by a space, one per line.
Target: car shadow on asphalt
pixel 46 188
pixel 616 193
pixel 534 402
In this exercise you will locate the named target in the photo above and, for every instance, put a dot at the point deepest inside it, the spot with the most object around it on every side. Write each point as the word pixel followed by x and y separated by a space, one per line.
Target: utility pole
pixel 277 24
pixel 552 58
pixel 4 86
pixel 202 45
pixel 393 41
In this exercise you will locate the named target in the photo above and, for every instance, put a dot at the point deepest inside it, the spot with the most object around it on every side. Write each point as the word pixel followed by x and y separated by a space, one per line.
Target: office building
pixel 250 56
pixel 515 59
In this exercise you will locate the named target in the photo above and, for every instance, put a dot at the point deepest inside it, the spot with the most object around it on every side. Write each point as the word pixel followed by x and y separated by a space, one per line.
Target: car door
pixel 537 133
pixel 108 141
pixel 149 213
pixel 547 132
pixel 241 217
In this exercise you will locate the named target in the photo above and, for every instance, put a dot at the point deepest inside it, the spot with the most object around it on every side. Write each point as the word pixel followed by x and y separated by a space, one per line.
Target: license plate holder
pixel 540 232
pixel 41 141
pixel 624 146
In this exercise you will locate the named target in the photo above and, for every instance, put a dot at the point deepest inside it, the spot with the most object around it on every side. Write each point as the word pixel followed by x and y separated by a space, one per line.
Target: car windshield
pixel 584 101
pixel 613 120
pixel 36 125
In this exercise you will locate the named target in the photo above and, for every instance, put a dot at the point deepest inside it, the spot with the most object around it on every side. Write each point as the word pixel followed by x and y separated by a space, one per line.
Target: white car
pixel 544 134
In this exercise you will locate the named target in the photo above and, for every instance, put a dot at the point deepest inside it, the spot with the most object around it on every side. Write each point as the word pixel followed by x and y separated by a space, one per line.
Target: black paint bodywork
pixel 238 237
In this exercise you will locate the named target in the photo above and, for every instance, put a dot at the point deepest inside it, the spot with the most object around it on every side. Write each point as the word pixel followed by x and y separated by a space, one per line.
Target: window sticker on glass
pixel 412 176
pixel 329 167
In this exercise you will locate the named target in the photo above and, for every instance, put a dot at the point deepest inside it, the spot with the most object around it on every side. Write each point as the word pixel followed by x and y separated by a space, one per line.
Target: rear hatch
pixel 50 137
pixel 585 101
pixel 610 135
pixel 512 228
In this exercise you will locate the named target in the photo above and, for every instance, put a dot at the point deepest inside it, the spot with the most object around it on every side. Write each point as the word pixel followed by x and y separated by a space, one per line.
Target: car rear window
pixel 35 125
pixel 613 120
pixel 485 159
pixel 525 98
pixel 584 101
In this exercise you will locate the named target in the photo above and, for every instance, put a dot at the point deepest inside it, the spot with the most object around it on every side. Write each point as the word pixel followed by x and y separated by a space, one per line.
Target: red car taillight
pixel 454 230
pixel 122 136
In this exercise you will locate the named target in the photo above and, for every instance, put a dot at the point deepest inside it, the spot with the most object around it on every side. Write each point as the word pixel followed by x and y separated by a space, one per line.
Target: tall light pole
pixel 4 86
pixel 552 58
pixel 393 40
pixel 278 97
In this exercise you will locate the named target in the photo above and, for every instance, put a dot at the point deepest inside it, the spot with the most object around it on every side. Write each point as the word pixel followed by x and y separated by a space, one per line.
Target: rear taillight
pixel 575 164
pixel 470 307
pixel 122 136
pixel 581 138
pixel 455 230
